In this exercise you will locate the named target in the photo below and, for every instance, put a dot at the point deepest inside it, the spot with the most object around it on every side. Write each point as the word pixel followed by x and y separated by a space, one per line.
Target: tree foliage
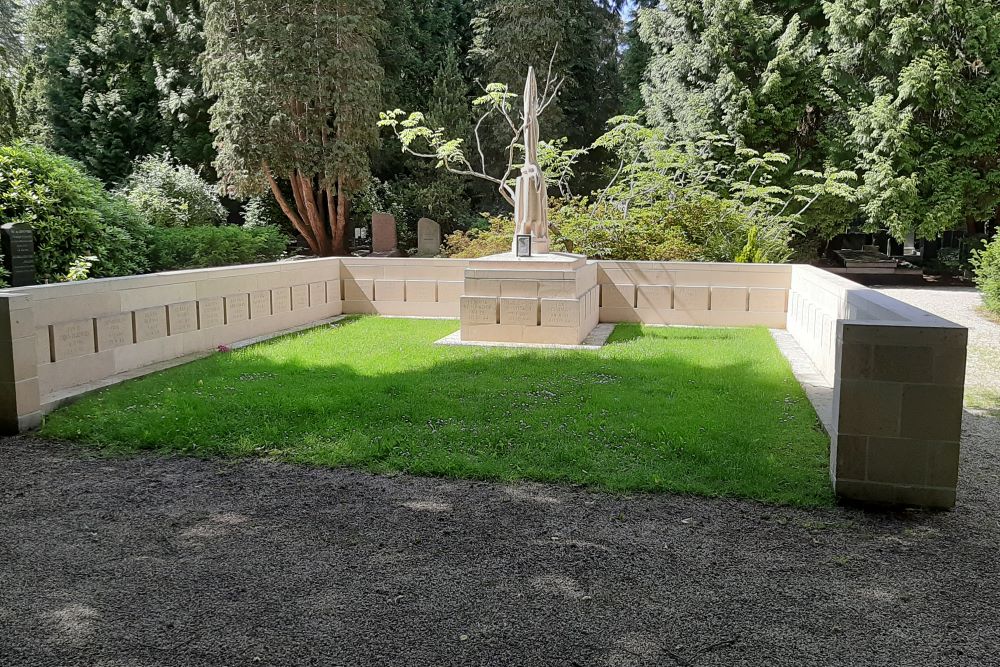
pixel 706 199
pixel 987 266
pixel 512 35
pixel 109 81
pixel 916 89
pixel 73 218
pixel 297 86
pixel 750 70
pixel 907 94
pixel 10 59
pixel 170 194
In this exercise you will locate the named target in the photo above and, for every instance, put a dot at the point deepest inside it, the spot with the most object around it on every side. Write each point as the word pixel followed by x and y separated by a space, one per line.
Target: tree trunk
pixel 339 241
pixel 319 214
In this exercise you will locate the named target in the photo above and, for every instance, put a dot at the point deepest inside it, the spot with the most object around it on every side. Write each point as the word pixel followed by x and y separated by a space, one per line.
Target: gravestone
pixel 428 238
pixel 18 246
pixel 384 243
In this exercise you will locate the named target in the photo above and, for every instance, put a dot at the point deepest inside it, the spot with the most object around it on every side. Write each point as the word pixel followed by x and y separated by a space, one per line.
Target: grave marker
pixel 72 339
pixel 18 245
pixel 384 242
pixel 114 331
pixel 428 238
pixel 182 317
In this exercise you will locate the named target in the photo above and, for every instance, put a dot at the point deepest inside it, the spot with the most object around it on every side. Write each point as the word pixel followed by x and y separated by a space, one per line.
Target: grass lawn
pixel 706 411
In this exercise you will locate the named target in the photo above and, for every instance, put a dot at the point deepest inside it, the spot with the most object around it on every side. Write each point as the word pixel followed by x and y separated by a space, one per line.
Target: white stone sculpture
pixel 531 202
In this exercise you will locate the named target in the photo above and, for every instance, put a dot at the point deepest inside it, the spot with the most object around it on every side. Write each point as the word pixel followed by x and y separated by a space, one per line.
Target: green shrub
pixel 169 194
pixel 200 247
pixel 71 214
pixel 643 235
pixel 492 239
pixel 987 267
pixel 693 226
pixel 262 211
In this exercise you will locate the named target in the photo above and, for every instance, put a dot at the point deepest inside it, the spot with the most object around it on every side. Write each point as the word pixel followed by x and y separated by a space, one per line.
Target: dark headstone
pixel 384 235
pixel 18 246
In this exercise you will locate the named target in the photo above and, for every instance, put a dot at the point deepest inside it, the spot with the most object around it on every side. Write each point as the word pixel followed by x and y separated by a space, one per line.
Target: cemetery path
pixel 962 305
pixel 151 560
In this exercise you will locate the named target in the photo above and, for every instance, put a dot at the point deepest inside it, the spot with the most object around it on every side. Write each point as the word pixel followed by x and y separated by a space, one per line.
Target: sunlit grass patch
pixel 707 411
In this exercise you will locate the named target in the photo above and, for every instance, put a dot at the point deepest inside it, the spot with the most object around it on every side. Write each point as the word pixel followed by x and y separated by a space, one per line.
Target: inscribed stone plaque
pixel 657 297
pixel 428 238
pixel 690 298
pixel 211 313
pixel 421 290
pixel 383 233
pixel 114 331
pixel 479 310
pixel 300 297
pixel 182 317
pixel 237 308
pixel 560 313
pixel 617 296
pixel 359 290
pixel 317 294
pixel 519 311
pixel 729 298
pixel 260 304
pixel 389 290
pixel 767 300
pixel 18 247
pixel 281 300
pixel 150 323
pixel 72 339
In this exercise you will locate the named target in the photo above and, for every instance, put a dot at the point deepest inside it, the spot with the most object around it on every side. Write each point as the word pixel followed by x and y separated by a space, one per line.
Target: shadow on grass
pixel 682 409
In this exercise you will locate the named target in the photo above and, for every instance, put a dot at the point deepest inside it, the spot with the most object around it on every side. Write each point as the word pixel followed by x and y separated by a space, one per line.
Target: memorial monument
pixel 531 200
pixel 530 295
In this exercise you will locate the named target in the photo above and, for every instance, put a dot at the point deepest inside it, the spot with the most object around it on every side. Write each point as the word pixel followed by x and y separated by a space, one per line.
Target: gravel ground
pixel 153 560
pixel 961 305
pixel 169 561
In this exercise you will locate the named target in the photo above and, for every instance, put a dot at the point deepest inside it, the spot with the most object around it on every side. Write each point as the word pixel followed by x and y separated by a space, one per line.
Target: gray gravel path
pixel 171 561
pixel 961 305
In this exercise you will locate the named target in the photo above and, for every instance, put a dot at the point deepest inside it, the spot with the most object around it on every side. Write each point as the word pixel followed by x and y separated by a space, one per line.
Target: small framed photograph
pixel 524 245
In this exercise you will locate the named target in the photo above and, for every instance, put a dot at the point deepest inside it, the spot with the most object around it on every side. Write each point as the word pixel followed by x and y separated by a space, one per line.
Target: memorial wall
pixel 891 367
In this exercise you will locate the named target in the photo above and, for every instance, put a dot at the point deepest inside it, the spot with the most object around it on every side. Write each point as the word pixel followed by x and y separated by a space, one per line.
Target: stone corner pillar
pixel 20 404
pixel 898 405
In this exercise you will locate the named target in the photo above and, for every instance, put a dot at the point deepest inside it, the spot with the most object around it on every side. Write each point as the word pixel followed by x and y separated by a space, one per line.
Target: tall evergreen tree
pixel 10 58
pixel 511 35
pixel 423 53
pixel 751 70
pixel 419 36
pixel 916 88
pixel 298 95
pixel 109 81
pixel 634 61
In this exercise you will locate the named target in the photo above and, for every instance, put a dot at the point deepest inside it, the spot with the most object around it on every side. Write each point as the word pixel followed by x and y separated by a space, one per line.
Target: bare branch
pixel 479 141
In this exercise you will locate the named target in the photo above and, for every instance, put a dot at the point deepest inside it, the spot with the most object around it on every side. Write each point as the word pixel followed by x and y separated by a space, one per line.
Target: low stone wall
pixel 896 372
pixel 898 377
pixel 403 287
pixel 70 334
pixel 692 293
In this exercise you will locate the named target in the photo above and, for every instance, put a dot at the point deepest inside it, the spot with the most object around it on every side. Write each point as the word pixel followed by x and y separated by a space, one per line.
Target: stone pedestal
pixel 551 298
